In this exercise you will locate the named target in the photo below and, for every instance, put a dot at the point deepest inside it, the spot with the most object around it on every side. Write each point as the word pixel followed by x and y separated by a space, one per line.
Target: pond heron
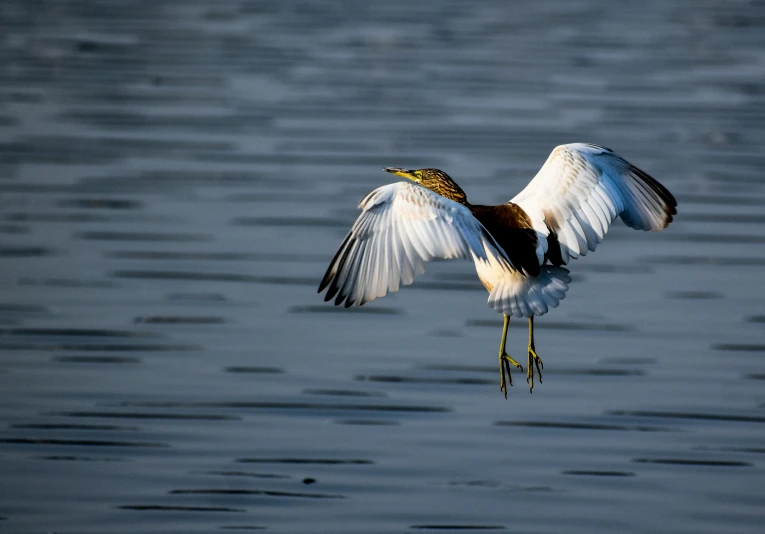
pixel 519 248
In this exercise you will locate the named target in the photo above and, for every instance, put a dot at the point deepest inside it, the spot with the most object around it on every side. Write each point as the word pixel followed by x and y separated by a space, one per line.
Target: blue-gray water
pixel 176 176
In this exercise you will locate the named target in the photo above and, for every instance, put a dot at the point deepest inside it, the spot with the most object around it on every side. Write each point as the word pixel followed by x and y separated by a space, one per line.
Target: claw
pixel 507 359
pixel 504 368
pixel 534 361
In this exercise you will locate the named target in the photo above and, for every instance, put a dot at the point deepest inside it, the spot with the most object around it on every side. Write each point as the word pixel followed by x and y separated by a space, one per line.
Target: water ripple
pixel 584 472
pixel 151 415
pixel 166 508
pixel 276 405
pixel 306 461
pixel 266 493
pixel 82 442
pixel 581 426
pixel 447 526
pixel 692 462
pixel 691 416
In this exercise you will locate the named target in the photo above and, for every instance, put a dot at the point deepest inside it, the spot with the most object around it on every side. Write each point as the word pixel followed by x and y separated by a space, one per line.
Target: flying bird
pixel 519 248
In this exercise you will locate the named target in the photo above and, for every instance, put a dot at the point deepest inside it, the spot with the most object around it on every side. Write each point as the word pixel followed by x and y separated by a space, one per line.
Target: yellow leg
pixel 534 360
pixel 505 360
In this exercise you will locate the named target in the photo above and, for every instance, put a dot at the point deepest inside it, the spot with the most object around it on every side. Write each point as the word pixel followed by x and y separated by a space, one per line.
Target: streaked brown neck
pixel 441 183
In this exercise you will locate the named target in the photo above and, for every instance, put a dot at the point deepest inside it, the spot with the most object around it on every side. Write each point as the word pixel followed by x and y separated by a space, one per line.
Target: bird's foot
pixel 534 361
pixel 504 367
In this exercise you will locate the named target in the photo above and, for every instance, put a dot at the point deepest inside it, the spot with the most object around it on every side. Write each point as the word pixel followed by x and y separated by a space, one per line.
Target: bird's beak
pixel 402 172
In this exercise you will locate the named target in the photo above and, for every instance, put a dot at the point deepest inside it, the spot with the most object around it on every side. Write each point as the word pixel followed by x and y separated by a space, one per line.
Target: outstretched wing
pixel 581 189
pixel 402 226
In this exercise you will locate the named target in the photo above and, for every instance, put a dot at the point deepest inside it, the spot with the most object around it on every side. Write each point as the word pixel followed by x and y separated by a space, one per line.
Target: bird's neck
pixel 448 188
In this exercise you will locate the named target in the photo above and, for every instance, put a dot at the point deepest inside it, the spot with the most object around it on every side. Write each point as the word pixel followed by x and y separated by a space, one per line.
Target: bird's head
pixel 434 179
pixel 421 176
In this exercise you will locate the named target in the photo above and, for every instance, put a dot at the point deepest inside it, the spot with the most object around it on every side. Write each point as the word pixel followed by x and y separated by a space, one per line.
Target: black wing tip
pixel 323 284
pixel 600 147
pixel 667 201
pixel 340 298
pixel 330 293
pixel 327 281
pixel 335 267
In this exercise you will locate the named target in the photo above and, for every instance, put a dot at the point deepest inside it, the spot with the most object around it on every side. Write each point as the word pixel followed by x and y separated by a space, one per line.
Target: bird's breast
pixel 489 271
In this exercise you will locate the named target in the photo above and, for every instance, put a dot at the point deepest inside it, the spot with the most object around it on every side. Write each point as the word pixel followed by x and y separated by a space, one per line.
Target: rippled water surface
pixel 175 177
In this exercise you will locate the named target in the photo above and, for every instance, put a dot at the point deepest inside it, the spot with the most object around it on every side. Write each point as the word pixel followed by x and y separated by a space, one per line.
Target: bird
pixel 519 248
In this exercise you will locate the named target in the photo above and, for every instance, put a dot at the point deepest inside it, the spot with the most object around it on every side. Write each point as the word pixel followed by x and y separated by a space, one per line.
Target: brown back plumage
pixel 511 228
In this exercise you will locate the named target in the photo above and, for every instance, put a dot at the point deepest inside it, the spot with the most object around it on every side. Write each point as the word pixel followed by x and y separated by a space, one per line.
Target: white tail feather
pixel 523 296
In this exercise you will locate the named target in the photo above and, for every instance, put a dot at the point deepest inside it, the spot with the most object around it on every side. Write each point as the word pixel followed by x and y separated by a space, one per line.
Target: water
pixel 175 177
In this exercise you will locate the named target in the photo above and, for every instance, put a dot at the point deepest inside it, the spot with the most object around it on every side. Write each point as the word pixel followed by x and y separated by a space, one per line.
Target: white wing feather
pixel 581 189
pixel 402 226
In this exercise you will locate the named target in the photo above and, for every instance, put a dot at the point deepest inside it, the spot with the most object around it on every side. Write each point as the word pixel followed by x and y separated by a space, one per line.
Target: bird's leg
pixel 534 360
pixel 505 360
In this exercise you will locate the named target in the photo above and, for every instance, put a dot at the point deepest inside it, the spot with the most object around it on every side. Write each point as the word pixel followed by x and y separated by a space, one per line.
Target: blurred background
pixel 176 175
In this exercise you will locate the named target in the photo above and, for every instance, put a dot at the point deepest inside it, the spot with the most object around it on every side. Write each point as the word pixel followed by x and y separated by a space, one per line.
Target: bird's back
pixel 513 231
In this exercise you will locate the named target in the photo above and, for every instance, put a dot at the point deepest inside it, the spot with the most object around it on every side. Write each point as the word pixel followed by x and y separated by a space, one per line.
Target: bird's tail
pixel 523 296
